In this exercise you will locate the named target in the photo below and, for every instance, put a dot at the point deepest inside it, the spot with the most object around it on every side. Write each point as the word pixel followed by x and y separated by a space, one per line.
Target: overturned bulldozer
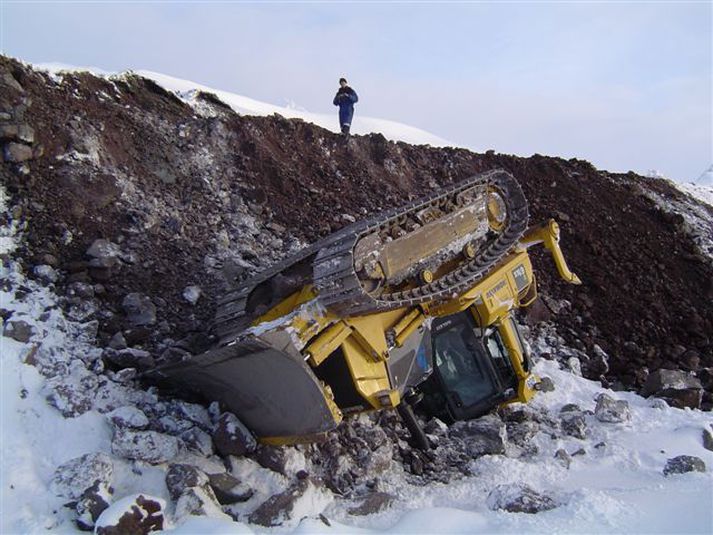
pixel 411 306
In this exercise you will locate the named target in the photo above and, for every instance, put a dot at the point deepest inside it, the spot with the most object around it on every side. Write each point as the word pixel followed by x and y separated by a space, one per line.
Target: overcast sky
pixel 626 85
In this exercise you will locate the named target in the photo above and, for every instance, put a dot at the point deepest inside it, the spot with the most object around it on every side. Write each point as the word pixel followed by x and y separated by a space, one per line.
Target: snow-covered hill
pixel 187 90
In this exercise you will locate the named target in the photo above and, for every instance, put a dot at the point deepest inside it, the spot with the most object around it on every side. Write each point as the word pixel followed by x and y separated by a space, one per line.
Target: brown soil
pixel 173 187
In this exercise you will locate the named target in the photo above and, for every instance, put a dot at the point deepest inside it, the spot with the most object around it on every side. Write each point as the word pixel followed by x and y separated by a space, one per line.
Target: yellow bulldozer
pixel 412 307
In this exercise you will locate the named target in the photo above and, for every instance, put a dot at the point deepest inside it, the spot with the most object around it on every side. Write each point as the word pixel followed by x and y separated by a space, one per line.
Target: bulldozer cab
pixel 472 369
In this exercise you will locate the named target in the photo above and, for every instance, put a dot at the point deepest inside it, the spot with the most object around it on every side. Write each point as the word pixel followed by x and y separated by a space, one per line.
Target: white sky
pixel 626 85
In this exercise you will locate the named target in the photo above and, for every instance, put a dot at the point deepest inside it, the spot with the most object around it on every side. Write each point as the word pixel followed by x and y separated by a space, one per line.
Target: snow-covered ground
pixel 614 485
pixel 187 90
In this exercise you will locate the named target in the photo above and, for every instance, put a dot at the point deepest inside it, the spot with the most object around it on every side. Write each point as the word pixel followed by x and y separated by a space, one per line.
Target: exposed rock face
pixel 683 464
pixel 74 477
pixel 231 437
pixel 137 515
pixel 519 499
pixel 147 446
pixel 611 411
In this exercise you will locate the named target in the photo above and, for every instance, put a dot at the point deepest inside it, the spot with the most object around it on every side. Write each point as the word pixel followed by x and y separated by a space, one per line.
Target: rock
pixel 669 380
pixel 136 515
pixel 435 427
pixel 179 477
pixel 598 364
pixel 18 330
pixel 272 457
pixel 103 249
pixel 9 132
pixel 683 464
pixel 521 433
pixel 26 134
pixel 9 81
pixel 70 398
pixel 198 440
pixel 192 294
pixel 128 416
pixel 231 437
pixel 378 460
pixel 280 507
pixel 45 274
pixel 139 309
pixel 680 398
pixel 610 410
pixel 373 503
pixel 129 358
pixel 546 385
pixel 118 341
pixel 519 498
pixel 563 457
pixel 80 290
pixel 147 446
pixel 707 439
pixel 73 478
pixel 575 366
pixel 229 490
pixel 91 505
pixel 485 436
pixel 573 424
pixel 17 152
pixel 197 501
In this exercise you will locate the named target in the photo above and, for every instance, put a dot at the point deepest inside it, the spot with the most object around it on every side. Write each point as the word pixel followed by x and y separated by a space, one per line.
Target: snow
pixel 187 91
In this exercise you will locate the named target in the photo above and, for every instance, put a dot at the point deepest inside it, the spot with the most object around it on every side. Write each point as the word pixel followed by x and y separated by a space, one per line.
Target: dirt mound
pixel 197 196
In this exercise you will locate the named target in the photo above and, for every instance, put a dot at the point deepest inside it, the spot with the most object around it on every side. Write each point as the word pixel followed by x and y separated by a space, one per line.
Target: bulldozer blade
pixel 275 394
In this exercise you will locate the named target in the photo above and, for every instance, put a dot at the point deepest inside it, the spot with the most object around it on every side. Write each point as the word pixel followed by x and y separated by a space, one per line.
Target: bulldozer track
pixel 338 284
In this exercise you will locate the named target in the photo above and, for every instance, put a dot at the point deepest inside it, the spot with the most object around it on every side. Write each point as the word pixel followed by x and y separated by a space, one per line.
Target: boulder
pixel 484 436
pixel 73 478
pixel 198 440
pixel 610 410
pixel 129 358
pixel 683 464
pixel 272 457
pixel 563 457
pixel 191 294
pixel 669 380
pixel 680 398
pixel 147 446
pixel 17 152
pixel 707 439
pixel 118 341
pixel 180 477
pixel 521 433
pixel 70 397
pixel 136 515
pixel 519 498
pixel 46 274
pixel 199 501
pixel 280 507
pixel 18 330
pixel 128 416
pixel 546 384
pixel 231 437
pixel 91 505
pixel 573 424
pixel 139 309
pixel 228 489
pixel 373 503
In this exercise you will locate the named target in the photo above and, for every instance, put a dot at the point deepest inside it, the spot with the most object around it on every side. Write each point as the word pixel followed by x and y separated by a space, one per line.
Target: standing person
pixel 345 98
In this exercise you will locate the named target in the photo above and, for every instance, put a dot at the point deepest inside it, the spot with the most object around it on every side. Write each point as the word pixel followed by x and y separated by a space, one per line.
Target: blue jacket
pixel 345 98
